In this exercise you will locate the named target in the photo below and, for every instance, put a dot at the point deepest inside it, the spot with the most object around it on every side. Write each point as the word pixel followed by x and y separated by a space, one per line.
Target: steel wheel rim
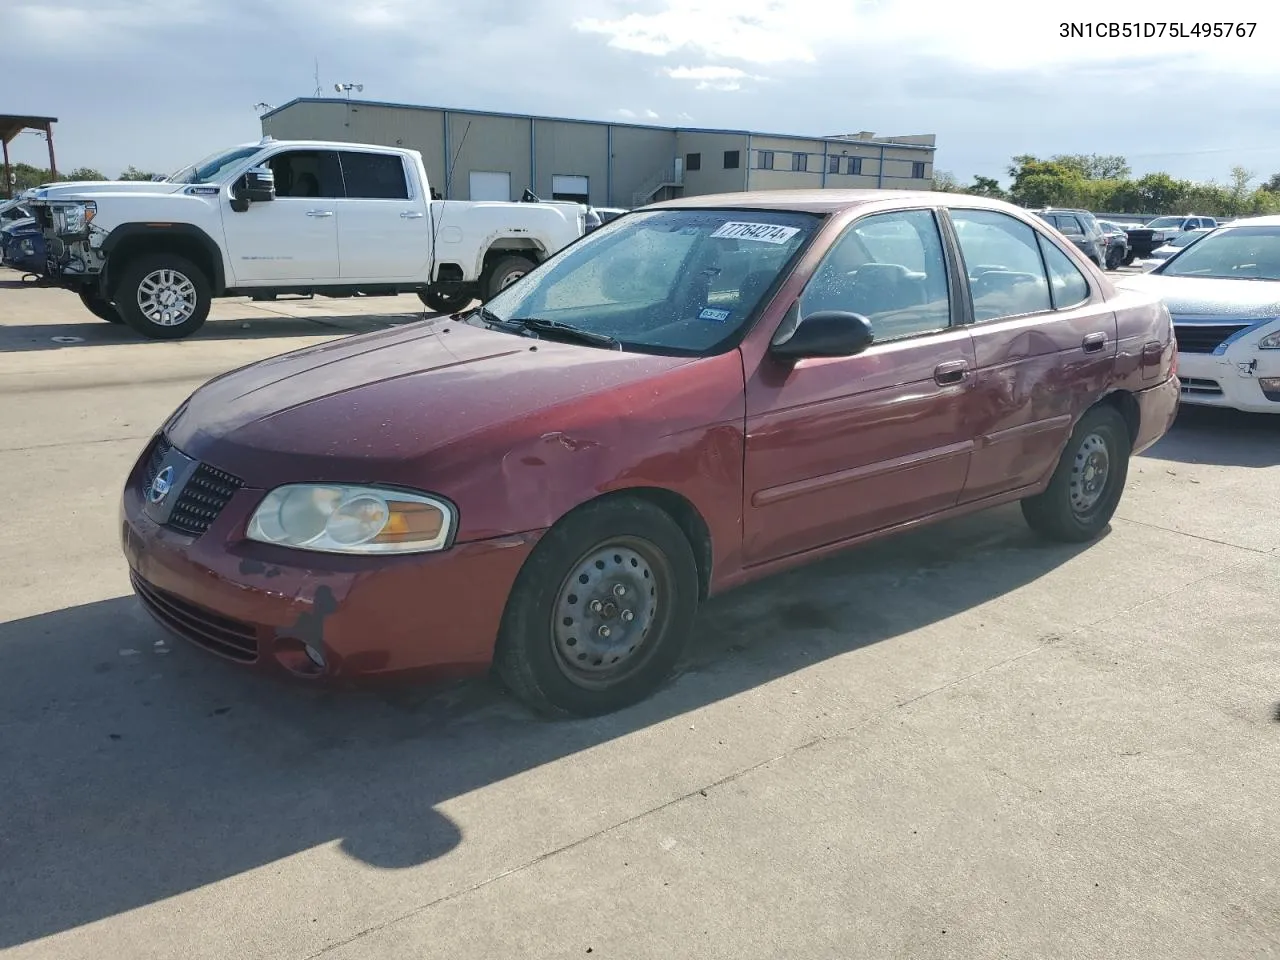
pixel 511 278
pixel 167 297
pixel 1090 472
pixel 607 611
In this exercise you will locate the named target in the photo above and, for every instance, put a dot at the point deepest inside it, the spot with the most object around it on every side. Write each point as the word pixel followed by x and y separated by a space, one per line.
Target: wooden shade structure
pixel 13 124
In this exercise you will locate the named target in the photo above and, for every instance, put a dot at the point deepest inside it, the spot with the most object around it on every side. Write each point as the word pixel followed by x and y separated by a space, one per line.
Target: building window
pixel 800 161
pixel 833 165
pixel 764 160
pixel 731 159
pixel 693 161
pixel 917 170
pixel 855 166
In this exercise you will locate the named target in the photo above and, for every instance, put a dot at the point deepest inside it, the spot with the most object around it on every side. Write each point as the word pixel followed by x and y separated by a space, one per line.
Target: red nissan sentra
pixel 695 395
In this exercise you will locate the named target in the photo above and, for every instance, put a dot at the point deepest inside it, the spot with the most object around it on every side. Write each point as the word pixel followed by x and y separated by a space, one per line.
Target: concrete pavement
pixel 961 743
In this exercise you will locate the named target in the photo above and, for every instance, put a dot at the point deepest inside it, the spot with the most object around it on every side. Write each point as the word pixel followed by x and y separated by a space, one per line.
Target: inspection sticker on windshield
pixel 764 232
pixel 718 316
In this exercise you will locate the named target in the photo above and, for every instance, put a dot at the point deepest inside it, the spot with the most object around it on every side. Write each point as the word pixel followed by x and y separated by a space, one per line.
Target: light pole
pixel 348 87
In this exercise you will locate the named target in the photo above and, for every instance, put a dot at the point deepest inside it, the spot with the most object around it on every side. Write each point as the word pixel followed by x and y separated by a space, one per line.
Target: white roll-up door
pixel 490 186
pixel 564 187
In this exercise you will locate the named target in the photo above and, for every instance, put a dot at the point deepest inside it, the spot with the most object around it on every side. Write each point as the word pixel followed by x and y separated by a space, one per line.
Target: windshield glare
pixel 1183 239
pixel 682 282
pixel 211 167
pixel 1243 253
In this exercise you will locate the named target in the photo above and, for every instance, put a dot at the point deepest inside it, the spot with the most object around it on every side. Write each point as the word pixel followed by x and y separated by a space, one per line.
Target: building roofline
pixel 599 123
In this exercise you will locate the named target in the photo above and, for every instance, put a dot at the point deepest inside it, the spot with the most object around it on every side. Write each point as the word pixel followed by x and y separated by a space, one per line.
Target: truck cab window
pixel 306 173
pixel 374 176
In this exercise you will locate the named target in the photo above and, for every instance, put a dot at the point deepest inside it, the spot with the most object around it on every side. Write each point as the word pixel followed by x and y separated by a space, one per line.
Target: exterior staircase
pixel 670 176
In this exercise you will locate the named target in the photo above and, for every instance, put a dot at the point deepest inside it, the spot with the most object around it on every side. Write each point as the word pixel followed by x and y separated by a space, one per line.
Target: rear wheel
pixel 1088 482
pixel 163 296
pixel 503 273
pixel 443 302
pixel 100 307
pixel 601 610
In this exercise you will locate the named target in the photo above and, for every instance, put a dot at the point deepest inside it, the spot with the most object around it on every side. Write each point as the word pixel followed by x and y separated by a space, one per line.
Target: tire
pixel 99 307
pixel 1129 258
pixel 1068 510
pixel 503 273
pixel 1113 259
pixel 174 275
pixel 619 546
pixel 442 302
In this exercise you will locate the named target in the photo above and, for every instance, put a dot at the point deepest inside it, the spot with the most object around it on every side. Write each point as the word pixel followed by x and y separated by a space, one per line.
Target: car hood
pixel 88 189
pixel 1195 297
pixel 377 403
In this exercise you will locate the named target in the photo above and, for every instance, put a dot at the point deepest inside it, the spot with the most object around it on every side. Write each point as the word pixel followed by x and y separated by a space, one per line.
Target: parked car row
pixel 690 397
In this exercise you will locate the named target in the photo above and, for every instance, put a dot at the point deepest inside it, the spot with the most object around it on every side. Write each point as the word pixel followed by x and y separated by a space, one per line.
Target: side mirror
pixel 259 185
pixel 828 333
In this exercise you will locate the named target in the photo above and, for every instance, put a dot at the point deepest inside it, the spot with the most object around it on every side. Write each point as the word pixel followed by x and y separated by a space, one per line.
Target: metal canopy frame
pixel 13 124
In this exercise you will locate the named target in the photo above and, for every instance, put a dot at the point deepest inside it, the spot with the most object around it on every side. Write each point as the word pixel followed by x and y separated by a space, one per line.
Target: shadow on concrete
pixel 136 771
pixel 1227 438
pixel 92 332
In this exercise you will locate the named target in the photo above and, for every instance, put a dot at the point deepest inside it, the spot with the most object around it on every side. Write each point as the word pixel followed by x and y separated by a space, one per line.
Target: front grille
pixel 202 499
pixel 230 638
pixel 1198 387
pixel 1204 337
pixel 160 447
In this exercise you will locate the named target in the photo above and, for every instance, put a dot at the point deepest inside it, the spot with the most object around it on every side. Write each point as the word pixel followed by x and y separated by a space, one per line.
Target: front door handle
pixel 952 372
pixel 1094 342
pixel 319 213
pixel 413 214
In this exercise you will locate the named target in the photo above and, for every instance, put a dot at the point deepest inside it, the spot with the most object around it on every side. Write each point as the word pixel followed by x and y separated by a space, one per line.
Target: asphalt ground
pixel 960 743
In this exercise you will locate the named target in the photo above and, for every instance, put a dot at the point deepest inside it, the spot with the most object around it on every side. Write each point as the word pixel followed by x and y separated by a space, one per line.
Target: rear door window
pixel 1002 259
pixel 374 176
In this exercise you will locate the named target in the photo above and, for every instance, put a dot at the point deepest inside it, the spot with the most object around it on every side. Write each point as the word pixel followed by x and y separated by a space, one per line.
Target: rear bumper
pixel 1157 409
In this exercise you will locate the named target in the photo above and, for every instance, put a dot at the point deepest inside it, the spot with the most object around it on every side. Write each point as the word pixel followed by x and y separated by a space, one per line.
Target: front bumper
pixel 434 616
pixel 1231 379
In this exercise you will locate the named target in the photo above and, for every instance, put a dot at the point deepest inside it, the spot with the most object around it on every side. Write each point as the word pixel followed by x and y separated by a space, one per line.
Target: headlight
pixel 340 518
pixel 74 217
pixel 1270 342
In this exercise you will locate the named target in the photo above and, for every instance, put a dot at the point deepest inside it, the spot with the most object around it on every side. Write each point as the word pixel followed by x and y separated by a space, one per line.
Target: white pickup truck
pixel 310 217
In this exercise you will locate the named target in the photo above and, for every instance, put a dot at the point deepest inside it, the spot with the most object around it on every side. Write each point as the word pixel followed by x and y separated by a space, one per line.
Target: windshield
pixel 1235 253
pixel 1185 239
pixel 1165 223
pixel 209 168
pixel 679 282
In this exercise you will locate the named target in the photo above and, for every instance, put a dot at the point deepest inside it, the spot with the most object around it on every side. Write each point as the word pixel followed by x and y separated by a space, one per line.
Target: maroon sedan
pixel 698 394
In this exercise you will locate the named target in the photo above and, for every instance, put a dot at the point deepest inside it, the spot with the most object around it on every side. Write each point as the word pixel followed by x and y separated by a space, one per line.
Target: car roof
pixel 824 201
pixel 1267 221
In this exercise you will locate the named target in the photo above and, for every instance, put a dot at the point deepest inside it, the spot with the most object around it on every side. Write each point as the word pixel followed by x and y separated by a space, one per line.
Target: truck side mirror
pixel 256 186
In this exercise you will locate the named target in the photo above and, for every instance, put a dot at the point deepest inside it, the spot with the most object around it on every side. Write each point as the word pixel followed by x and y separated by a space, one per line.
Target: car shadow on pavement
pixel 1226 438
pixel 138 768
pixel 70 336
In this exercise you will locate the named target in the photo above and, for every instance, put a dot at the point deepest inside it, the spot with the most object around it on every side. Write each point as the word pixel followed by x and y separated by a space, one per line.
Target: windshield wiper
pixel 558 327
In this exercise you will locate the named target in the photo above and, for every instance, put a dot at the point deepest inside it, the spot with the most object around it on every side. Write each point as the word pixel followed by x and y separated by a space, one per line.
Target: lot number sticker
pixel 716 316
pixel 764 232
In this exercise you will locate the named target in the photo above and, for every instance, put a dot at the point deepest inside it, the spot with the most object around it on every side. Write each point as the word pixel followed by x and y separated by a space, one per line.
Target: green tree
pixel 987 187
pixel 945 182
pixel 1095 166
pixel 1044 183
pixel 84 173
pixel 1160 193
pixel 1273 184
pixel 133 173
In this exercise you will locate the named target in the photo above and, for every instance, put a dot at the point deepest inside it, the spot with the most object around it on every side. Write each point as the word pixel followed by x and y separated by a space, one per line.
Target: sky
pixel 160 83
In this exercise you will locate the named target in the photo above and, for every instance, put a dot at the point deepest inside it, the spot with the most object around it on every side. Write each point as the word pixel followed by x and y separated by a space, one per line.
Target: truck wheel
pixel 99 307
pixel 504 273
pixel 163 296
pixel 442 302
pixel 1128 258
pixel 600 612
pixel 1088 481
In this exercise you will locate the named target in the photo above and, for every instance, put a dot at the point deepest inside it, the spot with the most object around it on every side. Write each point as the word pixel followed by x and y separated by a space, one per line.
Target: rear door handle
pixel 951 372
pixel 319 213
pixel 412 214
pixel 1094 342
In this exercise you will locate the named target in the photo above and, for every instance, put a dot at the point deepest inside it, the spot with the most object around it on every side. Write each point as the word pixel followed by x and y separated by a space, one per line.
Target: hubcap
pixel 167 298
pixel 1089 473
pixel 605 611
pixel 510 278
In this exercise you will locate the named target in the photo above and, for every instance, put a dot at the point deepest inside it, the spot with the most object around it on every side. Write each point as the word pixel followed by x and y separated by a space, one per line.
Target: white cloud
pixel 651 115
pixel 711 77
pixel 624 112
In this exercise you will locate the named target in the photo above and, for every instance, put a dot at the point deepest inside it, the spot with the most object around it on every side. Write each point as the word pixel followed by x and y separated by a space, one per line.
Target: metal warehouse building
pixel 498 155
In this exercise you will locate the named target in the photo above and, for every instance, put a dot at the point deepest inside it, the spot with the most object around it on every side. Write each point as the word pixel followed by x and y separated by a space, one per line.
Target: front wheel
pixel 442 302
pixel 163 296
pixel 1087 484
pixel 100 307
pixel 601 610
